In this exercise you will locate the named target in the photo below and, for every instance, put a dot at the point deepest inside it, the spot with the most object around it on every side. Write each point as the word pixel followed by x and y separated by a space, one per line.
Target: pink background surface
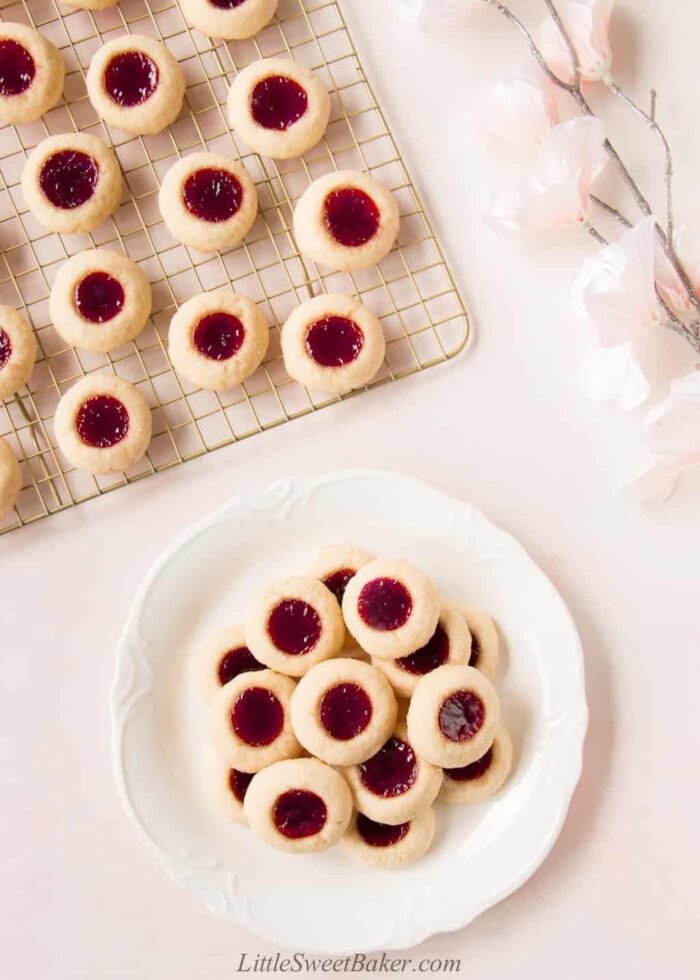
pixel 506 427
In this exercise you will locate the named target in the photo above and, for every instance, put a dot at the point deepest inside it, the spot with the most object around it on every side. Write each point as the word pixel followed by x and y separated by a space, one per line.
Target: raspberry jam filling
pixel 99 297
pixel 17 68
pixel 239 783
pixel 475 770
pixel 257 716
pixel 5 348
pixel 475 651
pixel 102 421
pixel 334 341
pixel 294 627
pixel 69 178
pixel 391 771
pixel 461 715
pixel 337 582
pixel 212 195
pixel 218 336
pixel 384 604
pixel 433 654
pixel 380 834
pixel 299 813
pixel 235 662
pixel 130 78
pixel 277 102
pixel 345 711
pixel 351 216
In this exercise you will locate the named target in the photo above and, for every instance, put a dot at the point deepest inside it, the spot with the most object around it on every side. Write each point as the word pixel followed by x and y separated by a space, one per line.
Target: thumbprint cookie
pixel 332 343
pixel 342 711
pixel 335 565
pixel 10 478
pixel 453 716
pixel 221 658
pixel 391 608
pixel 249 721
pixel 346 220
pixel 17 351
pixel 482 778
pixel 231 20
pixel 278 107
pixel 386 846
pixel 485 646
pixel 300 805
pixel 226 787
pixel 218 339
pixel 31 74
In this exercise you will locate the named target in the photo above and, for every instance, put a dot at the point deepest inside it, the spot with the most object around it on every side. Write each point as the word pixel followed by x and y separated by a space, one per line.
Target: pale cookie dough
pixel 482 778
pixel 90 4
pixel 301 805
pixel 394 784
pixel 346 220
pixel 72 182
pixel 99 300
pixel 391 608
pixel 249 721
pixel 453 716
pixel 332 343
pixel 17 351
pixel 226 788
pixel 335 565
pixel 222 657
pixel 385 846
pixel 232 20
pixel 484 639
pixel 449 644
pixel 208 201
pixel 31 74
pixel 295 624
pixel 10 478
pixel 343 711
pixel 218 339
pixel 135 84
pixel 103 424
pixel 278 107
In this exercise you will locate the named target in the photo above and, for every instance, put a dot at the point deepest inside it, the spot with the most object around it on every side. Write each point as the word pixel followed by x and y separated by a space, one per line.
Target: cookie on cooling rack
pixel 10 478
pixel 135 84
pixel 332 343
pixel 232 20
pixel 90 4
pixel 216 340
pixel 346 220
pixel 278 107
pixel 99 300
pixel 383 845
pixel 17 351
pixel 31 74
pixel 103 424
pixel 208 201
pixel 72 182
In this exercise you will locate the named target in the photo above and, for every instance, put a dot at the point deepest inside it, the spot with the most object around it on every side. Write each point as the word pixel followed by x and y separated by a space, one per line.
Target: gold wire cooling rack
pixel 412 291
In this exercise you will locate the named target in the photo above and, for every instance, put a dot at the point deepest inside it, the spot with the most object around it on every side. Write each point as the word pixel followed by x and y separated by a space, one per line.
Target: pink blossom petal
pixel 673 426
pixel 521 109
pixel 587 23
pixel 658 483
pixel 615 288
pixel 614 374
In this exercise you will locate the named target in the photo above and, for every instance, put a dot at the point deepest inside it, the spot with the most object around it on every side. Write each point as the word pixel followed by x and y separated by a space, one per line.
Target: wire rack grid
pixel 412 291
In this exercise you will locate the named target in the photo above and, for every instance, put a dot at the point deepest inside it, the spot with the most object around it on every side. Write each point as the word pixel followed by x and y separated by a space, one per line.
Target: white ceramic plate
pixel 323 902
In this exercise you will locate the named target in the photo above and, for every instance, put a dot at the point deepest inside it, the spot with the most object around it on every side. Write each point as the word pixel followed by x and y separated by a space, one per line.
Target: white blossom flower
pixel 687 248
pixel 614 374
pixel 521 109
pixel 587 23
pixel 439 13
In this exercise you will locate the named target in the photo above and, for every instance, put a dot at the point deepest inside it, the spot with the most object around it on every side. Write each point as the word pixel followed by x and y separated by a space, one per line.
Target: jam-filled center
pixel 294 627
pixel 351 216
pixel 433 654
pixel 17 67
pixel 461 715
pixel 257 716
pixel 345 711
pixel 102 421
pixel 334 341
pixel 380 834
pixel 337 582
pixel 5 348
pixel 277 102
pixel 299 813
pixel 391 771
pixel 212 194
pixel 475 770
pixel 475 651
pixel 237 661
pixel 130 78
pixel 99 297
pixel 384 604
pixel 239 783
pixel 69 178
pixel 218 336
